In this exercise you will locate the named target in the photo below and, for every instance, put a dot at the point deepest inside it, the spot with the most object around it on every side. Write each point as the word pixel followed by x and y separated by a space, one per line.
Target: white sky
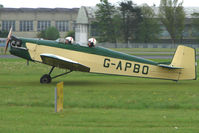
pixel 78 3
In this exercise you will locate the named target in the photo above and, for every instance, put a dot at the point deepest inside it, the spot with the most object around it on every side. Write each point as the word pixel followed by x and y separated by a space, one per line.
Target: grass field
pixel 94 103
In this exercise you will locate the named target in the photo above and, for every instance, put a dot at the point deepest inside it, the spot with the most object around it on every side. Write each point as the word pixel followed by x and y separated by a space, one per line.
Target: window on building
pixel 43 25
pixel 7 24
pixel 74 25
pixel 62 26
pixel 26 25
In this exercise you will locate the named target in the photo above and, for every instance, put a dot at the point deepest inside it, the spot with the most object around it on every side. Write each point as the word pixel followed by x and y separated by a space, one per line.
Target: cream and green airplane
pixel 101 60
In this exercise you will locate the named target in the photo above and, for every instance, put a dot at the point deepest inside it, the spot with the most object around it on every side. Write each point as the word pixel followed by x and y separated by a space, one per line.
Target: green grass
pixel 2 51
pixel 94 103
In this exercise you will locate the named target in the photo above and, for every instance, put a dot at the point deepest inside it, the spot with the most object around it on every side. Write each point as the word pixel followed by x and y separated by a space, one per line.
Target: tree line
pixel 131 23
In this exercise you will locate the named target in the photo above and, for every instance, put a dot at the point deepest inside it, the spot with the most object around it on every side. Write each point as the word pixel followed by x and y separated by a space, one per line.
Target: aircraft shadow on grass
pixel 85 83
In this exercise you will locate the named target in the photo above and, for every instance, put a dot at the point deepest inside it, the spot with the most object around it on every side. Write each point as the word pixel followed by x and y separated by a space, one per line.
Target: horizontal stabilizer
pixel 61 62
pixel 169 66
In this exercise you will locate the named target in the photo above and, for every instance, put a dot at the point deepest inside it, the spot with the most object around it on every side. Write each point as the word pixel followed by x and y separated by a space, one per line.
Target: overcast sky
pixel 78 3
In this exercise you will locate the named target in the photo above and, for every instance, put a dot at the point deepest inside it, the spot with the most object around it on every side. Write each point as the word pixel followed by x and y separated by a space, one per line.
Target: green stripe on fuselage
pixel 97 50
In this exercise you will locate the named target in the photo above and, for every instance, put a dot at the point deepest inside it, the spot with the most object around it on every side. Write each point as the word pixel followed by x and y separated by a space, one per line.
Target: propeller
pixel 8 39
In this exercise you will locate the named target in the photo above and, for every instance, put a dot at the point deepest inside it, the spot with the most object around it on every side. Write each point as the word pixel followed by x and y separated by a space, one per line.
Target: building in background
pixel 27 22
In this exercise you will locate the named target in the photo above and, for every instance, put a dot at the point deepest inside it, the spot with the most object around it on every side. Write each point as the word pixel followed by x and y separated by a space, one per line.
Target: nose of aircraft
pixel 8 39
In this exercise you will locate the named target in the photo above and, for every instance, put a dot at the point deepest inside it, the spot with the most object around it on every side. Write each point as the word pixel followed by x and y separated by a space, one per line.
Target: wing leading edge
pixel 61 62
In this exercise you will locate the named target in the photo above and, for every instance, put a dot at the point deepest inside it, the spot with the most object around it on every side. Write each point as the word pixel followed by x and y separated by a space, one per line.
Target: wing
pixel 169 66
pixel 61 62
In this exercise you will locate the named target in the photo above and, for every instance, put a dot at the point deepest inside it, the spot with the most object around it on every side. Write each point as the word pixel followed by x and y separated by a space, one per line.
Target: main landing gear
pixel 46 78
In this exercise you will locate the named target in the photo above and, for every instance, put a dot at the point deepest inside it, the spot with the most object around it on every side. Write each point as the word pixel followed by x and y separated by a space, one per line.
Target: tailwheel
pixel 45 79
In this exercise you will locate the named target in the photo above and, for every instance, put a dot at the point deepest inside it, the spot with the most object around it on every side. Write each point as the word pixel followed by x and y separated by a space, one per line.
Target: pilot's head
pixel 69 40
pixel 92 42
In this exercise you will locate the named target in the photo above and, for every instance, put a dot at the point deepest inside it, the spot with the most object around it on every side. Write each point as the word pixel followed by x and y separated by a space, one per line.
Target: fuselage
pixel 98 59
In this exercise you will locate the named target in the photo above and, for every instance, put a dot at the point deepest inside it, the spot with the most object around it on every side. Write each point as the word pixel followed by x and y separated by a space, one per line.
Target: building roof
pixel 91 12
pixel 86 14
pixel 39 9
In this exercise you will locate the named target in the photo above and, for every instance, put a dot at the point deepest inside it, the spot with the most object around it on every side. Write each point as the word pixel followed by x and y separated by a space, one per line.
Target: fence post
pixel 59 97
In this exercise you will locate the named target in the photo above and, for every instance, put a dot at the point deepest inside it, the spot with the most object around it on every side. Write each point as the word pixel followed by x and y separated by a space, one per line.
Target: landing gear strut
pixel 46 78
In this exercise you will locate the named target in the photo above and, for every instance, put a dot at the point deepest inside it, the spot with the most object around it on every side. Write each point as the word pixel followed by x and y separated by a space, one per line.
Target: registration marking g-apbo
pixel 124 66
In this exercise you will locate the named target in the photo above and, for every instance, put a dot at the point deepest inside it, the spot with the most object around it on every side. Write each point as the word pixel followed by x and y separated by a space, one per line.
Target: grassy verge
pixel 144 49
pixel 2 51
pixel 94 103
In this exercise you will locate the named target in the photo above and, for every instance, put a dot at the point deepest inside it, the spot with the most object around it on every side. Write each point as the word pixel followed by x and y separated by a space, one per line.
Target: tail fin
pixel 185 57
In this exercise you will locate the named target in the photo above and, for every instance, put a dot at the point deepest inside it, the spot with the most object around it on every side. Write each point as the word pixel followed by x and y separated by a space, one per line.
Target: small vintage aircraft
pixel 101 60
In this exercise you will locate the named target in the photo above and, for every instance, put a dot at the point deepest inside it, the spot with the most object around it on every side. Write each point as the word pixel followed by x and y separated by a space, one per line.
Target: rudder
pixel 185 57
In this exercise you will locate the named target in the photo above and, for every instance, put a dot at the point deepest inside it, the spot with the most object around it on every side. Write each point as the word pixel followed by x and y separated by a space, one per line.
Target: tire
pixel 45 79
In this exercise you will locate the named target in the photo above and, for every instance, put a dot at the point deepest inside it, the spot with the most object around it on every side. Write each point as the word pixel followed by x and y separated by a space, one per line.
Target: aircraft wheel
pixel 45 79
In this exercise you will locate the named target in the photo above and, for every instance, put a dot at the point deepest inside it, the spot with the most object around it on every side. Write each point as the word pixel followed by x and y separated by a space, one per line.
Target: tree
pixel 51 34
pixel 149 29
pixel 195 25
pixel 42 34
pixel 172 16
pixel 104 22
pixel 3 34
pixel 71 34
pixel 131 17
pixel 117 26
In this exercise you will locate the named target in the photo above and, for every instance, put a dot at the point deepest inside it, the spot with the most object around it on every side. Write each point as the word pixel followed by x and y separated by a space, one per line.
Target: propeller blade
pixel 8 39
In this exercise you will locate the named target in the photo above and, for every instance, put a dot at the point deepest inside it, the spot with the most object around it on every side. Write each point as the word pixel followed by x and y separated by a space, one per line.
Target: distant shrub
pixel 50 34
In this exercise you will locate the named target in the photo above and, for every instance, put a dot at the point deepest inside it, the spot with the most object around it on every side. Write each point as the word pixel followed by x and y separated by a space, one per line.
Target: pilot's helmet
pixel 92 42
pixel 69 40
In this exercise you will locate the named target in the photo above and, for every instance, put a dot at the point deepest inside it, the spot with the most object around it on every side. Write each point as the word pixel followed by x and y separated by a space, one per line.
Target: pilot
pixel 91 42
pixel 69 40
